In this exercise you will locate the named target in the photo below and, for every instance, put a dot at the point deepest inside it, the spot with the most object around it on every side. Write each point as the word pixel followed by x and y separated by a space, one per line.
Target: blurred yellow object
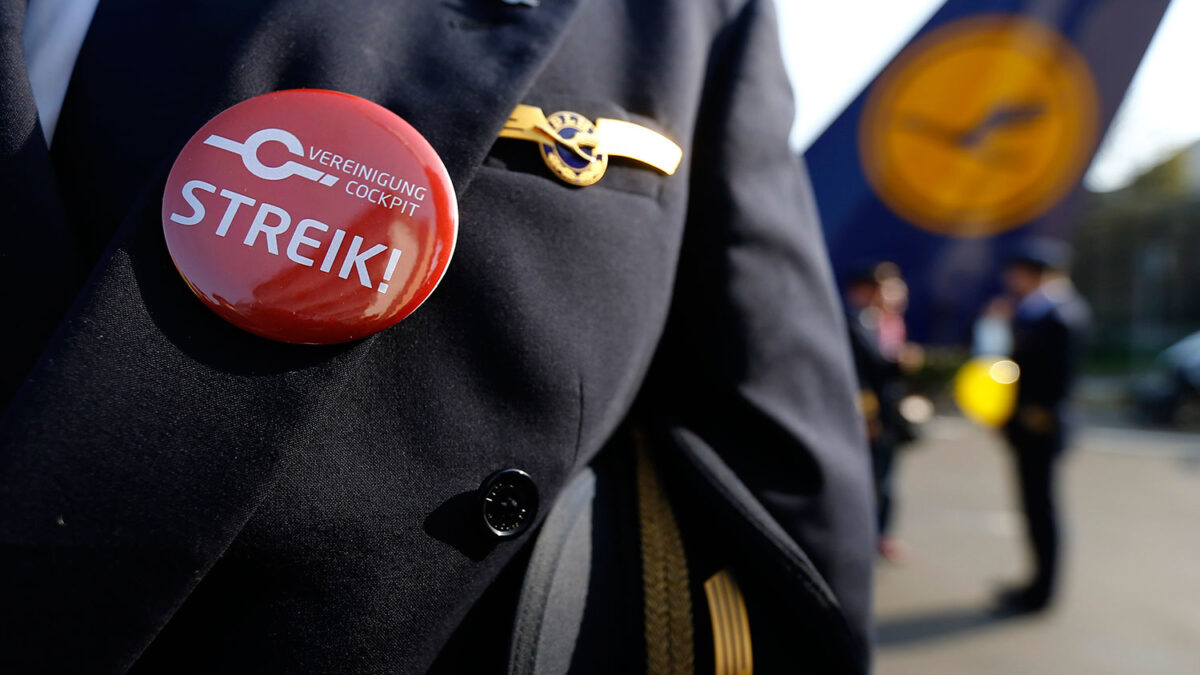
pixel 985 390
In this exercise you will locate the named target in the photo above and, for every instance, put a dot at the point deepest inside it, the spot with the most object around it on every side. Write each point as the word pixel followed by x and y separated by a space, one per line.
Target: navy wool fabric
pixel 177 496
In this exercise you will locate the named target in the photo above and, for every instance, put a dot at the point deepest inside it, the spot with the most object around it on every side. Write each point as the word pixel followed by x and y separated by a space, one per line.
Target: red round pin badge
pixel 310 216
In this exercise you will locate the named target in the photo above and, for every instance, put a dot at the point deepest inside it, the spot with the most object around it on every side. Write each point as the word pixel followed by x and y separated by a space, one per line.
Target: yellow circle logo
pixel 980 126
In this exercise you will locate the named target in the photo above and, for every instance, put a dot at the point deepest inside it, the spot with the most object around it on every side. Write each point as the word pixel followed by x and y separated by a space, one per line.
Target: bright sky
pixel 833 49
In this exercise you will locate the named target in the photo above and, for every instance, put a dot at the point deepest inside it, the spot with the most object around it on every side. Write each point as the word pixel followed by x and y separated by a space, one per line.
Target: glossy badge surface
pixel 310 216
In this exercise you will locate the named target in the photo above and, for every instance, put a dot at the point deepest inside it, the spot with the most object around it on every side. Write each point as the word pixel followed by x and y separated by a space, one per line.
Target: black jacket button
pixel 508 502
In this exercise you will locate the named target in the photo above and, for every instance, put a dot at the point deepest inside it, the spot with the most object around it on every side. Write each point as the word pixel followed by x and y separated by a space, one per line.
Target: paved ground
pixel 1131 595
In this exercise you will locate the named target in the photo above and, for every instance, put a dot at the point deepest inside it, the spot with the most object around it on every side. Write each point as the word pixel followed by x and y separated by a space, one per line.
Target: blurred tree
pixel 1132 253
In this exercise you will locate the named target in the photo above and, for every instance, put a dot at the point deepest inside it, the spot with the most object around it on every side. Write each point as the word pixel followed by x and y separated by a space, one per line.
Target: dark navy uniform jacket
pixel 179 496
pixel 1049 329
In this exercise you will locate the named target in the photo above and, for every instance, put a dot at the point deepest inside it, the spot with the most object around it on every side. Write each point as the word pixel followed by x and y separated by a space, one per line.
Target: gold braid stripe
pixel 668 600
pixel 731 626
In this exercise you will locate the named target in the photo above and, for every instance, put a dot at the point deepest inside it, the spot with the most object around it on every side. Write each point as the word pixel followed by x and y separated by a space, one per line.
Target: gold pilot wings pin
pixel 577 151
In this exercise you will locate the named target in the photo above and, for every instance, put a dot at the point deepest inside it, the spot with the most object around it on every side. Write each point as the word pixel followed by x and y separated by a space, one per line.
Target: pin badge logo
pixel 332 220
pixel 577 151
pixel 572 152
pixel 248 151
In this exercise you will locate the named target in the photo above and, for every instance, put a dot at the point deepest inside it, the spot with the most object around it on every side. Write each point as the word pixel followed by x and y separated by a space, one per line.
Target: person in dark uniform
pixel 1048 327
pixel 878 346
pixel 660 357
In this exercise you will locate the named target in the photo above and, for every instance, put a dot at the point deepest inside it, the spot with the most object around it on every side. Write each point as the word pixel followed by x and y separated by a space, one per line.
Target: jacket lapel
pixel 493 52
pixel 150 74
pixel 199 410
pixel 39 262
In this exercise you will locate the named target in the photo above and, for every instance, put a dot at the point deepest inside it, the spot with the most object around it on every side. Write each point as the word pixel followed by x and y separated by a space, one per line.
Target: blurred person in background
pixel 876 298
pixel 992 333
pixel 1048 326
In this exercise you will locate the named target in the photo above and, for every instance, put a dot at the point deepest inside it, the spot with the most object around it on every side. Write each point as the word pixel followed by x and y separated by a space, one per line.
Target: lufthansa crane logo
pixel 577 151
pixel 980 126
pixel 573 152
